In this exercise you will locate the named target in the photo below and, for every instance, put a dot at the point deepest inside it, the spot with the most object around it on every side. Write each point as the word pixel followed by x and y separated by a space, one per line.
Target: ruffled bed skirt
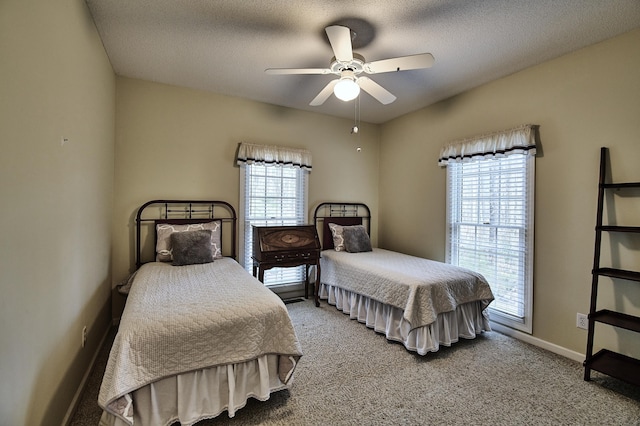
pixel 203 394
pixel 466 321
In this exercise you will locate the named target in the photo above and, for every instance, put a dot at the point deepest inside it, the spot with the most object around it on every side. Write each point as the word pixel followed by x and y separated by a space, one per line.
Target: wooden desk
pixel 285 246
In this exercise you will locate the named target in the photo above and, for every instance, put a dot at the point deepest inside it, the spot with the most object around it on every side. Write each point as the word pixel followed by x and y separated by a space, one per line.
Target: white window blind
pixel 490 229
pixel 273 195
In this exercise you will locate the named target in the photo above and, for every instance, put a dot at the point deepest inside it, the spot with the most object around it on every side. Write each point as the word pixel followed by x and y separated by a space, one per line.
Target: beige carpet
pixel 349 375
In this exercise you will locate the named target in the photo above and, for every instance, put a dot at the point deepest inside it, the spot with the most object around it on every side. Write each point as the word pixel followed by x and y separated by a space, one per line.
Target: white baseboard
pixel 76 397
pixel 551 347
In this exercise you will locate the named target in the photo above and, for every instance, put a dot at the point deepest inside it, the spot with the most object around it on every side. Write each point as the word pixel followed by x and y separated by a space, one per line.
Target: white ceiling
pixel 224 46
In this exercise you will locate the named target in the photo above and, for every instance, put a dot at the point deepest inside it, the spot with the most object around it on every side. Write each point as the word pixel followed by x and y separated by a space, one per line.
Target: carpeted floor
pixel 349 375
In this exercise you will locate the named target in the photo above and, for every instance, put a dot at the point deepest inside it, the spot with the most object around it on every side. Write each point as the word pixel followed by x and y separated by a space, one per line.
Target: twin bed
pixel 418 302
pixel 199 335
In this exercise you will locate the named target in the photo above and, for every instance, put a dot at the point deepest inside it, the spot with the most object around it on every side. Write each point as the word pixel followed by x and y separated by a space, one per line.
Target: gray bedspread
pixel 422 288
pixel 183 318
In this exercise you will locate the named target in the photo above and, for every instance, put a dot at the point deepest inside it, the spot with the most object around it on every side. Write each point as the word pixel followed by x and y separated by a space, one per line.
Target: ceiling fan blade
pixel 375 90
pixel 340 39
pixel 285 71
pixel 402 63
pixel 324 93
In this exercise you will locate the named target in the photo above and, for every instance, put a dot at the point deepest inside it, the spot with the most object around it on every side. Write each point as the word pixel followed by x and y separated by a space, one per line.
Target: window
pixel 271 193
pixel 490 228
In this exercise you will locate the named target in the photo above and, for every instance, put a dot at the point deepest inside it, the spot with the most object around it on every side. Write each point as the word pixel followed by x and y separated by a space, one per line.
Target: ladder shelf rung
pixel 617 319
pixel 615 365
pixel 615 228
pixel 618 273
pixel 621 185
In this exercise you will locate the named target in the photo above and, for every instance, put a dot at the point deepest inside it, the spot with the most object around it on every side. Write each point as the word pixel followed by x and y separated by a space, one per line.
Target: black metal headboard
pixel 184 212
pixel 340 213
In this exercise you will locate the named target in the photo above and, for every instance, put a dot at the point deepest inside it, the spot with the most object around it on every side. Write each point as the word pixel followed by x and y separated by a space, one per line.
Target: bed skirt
pixel 202 394
pixel 466 321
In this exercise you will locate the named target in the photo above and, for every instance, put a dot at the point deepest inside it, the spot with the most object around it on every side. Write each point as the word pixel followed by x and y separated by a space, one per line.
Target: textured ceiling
pixel 224 46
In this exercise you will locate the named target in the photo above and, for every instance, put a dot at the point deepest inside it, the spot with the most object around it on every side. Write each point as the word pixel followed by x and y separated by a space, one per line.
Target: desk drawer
pixel 282 256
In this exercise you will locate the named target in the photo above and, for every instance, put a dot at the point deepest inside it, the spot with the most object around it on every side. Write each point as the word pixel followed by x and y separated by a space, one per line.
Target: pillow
pixel 327 235
pixel 356 239
pixel 191 247
pixel 338 241
pixel 164 231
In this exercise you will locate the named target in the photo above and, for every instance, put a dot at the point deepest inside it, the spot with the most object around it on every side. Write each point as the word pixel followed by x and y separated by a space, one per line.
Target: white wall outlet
pixel 84 335
pixel 582 321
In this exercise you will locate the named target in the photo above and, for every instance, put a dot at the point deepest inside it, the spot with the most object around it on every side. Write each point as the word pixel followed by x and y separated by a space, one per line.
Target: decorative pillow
pixel 327 235
pixel 356 239
pixel 191 247
pixel 164 231
pixel 338 240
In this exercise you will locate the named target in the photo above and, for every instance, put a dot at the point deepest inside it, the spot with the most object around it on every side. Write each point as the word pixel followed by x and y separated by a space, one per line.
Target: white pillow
pixel 338 239
pixel 164 231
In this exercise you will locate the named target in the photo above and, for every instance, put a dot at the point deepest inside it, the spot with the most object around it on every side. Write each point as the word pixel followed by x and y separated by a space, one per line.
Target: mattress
pixel 419 302
pixel 198 318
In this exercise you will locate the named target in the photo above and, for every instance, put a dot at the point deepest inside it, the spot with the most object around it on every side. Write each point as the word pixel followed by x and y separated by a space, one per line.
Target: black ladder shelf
pixel 606 361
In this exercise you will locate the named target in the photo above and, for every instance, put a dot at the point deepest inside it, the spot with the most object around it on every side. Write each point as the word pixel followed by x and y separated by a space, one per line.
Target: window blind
pixel 273 195
pixel 490 220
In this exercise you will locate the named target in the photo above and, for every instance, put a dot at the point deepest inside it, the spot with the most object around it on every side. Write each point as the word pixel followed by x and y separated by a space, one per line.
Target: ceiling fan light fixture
pixel 349 66
pixel 346 89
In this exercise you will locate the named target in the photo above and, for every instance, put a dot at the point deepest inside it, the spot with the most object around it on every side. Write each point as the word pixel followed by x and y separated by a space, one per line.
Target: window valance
pixel 518 140
pixel 264 154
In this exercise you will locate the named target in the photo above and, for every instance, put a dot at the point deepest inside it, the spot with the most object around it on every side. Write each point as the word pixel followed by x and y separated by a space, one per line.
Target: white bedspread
pixel 422 288
pixel 184 318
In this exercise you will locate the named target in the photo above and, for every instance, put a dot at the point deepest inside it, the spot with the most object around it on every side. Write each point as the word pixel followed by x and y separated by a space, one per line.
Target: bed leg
pixel 316 285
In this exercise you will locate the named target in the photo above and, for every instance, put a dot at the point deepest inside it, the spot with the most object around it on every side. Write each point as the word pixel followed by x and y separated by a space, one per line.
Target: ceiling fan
pixel 349 65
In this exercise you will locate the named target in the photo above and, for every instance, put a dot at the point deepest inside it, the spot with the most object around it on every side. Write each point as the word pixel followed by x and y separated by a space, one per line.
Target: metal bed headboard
pixel 342 213
pixel 184 212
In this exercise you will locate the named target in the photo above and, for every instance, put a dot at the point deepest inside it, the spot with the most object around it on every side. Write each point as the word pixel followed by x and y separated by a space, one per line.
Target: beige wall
pixel 179 143
pixel 55 213
pixel 581 101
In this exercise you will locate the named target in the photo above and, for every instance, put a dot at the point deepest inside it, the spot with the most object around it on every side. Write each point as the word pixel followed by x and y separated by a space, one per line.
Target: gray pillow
pixel 191 247
pixel 356 239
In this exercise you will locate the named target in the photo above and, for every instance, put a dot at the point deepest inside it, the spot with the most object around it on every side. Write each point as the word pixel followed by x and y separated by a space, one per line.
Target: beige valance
pixel 521 139
pixel 249 153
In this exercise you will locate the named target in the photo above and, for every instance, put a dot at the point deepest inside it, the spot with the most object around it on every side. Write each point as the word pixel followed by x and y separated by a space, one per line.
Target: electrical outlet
pixel 84 335
pixel 582 321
